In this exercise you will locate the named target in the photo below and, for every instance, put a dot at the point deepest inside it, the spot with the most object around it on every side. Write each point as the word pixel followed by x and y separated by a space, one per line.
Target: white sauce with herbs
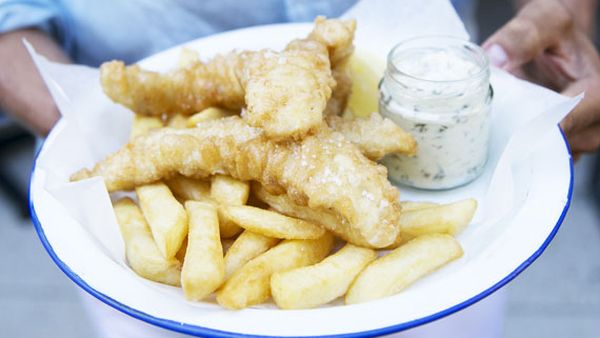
pixel 437 65
pixel 442 98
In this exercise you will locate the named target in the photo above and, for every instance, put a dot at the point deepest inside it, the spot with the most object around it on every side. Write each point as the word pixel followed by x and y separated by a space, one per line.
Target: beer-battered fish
pixel 285 93
pixel 374 136
pixel 323 171
pixel 337 35
pixel 185 90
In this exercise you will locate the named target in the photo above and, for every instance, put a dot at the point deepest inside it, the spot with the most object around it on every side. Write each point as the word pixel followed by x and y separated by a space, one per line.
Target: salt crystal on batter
pixel 368 195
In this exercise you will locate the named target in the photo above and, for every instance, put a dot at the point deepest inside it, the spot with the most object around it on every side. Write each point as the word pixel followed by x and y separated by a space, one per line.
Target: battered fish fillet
pixel 185 90
pixel 287 93
pixel 338 36
pixel 323 171
pixel 341 93
pixel 284 93
pixel 374 136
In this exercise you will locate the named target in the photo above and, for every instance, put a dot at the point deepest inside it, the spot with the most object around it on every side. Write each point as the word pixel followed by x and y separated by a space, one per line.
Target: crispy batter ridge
pixel 374 136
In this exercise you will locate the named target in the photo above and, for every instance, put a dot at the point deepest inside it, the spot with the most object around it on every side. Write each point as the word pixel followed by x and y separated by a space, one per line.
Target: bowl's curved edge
pixel 207 332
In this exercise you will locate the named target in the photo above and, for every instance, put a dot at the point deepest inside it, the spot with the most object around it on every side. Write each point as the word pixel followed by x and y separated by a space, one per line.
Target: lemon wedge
pixel 366 71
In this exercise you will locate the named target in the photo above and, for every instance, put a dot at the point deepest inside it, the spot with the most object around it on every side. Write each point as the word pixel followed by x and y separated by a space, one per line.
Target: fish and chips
pixel 249 173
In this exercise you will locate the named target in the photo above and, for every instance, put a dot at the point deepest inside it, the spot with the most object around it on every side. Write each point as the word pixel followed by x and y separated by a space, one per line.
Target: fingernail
pixel 497 55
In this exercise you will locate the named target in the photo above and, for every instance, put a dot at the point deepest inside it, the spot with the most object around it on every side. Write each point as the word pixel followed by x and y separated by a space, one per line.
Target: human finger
pixel 585 141
pixel 536 28
pixel 587 112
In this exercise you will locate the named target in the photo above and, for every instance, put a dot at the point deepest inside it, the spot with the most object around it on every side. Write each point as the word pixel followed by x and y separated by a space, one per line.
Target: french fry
pixel 226 243
pixel 443 219
pixel 422 218
pixel 411 205
pixel 392 273
pixel 143 124
pixel 189 188
pixel 228 191
pixel 318 284
pixel 177 121
pixel 247 246
pixel 142 253
pixel 208 114
pixel 251 284
pixel 254 201
pixel 203 269
pixel 270 223
pixel 165 215
pixel 180 255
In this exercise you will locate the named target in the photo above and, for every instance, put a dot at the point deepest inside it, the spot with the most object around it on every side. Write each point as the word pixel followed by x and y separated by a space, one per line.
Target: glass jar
pixel 437 89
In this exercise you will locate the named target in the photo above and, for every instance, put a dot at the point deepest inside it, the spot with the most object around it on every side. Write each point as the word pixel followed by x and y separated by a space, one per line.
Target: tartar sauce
pixel 438 90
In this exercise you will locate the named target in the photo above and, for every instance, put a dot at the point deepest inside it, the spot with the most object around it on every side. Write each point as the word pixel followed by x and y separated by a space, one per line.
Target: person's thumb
pixel 536 28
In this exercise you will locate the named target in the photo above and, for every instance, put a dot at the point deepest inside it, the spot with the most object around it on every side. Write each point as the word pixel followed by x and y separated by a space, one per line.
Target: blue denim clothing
pixel 92 32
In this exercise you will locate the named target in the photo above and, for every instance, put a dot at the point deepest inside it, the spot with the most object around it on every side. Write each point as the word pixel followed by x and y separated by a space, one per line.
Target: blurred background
pixel 558 296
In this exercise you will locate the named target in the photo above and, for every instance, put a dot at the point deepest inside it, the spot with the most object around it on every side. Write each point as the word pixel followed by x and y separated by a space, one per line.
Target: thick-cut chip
pixel 247 246
pixel 318 284
pixel 186 189
pixel 141 251
pixel 443 219
pixel 409 206
pixel 412 205
pixel 177 121
pixel 422 218
pixel 228 191
pixel 141 125
pixel 203 269
pixel 165 215
pixel 180 255
pixel 392 273
pixel 208 114
pixel 251 284
pixel 189 188
pixel 226 243
pixel 272 224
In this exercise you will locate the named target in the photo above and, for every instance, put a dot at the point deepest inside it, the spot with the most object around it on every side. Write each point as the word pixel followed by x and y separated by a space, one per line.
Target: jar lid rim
pixel 466 43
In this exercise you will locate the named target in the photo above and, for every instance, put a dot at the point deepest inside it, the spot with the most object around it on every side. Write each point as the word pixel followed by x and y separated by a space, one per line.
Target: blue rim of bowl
pixel 200 331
